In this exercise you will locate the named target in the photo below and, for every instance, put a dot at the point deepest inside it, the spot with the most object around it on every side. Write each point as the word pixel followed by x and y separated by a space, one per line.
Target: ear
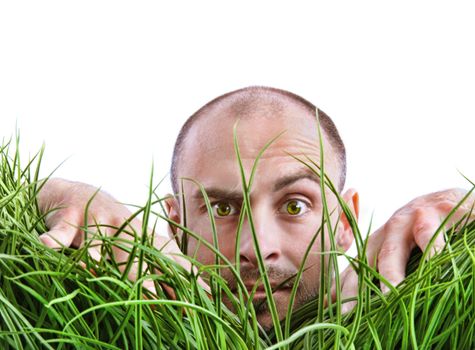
pixel 345 234
pixel 173 212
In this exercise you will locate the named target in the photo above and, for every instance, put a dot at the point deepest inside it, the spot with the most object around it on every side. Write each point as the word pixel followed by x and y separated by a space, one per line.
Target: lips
pixel 260 290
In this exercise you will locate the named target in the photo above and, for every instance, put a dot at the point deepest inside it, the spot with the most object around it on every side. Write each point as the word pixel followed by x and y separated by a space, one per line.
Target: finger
pixel 84 266
pixel 349 277
pixel 465 213
pixel 92 237
pixel 150 286
pixel 122 256
pixel 426 224
pixel 178 257
pixel 393 257
pixel 59 237
pixel 63 228
pixel 171 249
pixel 95 253
pixel 349 289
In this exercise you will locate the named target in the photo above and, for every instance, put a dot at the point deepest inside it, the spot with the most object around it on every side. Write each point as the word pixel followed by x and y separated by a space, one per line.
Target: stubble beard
pixel 286 279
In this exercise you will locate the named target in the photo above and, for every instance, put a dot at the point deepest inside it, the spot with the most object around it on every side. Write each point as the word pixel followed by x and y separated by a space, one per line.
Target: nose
pixel 268 239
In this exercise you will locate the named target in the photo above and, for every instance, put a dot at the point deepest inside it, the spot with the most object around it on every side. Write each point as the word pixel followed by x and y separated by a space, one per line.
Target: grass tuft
pixel 65 299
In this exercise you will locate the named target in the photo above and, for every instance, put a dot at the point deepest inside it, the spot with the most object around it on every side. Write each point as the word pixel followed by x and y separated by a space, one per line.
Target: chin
pixel 281 299
pixel 265 321
pixel 261 307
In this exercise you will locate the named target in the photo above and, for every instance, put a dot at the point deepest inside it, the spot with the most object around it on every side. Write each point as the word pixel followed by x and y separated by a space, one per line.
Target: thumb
pixel 63 229
pixel 58 238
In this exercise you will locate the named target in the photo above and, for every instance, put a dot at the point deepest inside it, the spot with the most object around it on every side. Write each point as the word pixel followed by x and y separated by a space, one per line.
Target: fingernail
pixel 348 306
pixel 49 242
pixel 434 251
pixel 385 289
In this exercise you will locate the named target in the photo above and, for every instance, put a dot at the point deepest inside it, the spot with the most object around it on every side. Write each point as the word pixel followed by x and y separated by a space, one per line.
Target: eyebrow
pixel 215 192
pixel 236 195
pixel 293 178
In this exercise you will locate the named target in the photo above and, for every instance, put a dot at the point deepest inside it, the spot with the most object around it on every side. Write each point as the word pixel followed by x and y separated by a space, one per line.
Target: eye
pixel 223 209
pixel 294 207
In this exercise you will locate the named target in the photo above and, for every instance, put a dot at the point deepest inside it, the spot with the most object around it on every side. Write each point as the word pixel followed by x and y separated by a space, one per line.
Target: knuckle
pixel 394 222
pixel 389 274
pixel 387 249
pixel 115 222
pixel 393 277
pixel 420 212
pixel 64 219
pixel 446 206
pixel 421 228
pixel 72 213
pixel 451 195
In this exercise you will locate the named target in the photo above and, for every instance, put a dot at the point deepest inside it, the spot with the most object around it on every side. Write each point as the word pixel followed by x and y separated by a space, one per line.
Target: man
pixel 285 196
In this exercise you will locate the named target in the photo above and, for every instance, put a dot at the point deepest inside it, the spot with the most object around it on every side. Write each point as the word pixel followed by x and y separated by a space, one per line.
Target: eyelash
pixel 235 208
pixel 283 209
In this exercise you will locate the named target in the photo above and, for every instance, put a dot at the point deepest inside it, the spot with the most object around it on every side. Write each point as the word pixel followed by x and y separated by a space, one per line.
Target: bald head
pixel 256 102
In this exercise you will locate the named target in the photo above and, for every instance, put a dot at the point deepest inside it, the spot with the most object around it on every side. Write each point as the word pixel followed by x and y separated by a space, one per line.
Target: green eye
pixel 223 209
pixel 294 207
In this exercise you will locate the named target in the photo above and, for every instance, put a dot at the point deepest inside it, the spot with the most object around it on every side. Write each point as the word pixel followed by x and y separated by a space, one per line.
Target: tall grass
pixel 65 299
pixel 48 299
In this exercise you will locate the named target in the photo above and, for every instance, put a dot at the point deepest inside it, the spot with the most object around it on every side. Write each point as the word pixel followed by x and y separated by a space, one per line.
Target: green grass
pixel 64 299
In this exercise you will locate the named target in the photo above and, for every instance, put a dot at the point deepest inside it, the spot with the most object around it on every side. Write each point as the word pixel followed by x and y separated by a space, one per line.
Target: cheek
pixel 311 274
pixel 202 228
pixel 196 246
pixel 298 237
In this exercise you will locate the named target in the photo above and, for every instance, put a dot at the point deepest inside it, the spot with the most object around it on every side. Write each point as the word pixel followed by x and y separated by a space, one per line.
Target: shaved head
pixel 257 102
pixel 287 199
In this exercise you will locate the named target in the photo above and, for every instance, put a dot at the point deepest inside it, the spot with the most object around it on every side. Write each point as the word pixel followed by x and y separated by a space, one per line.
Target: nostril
pixel 269 248
pixel 273 256
pixel 244 259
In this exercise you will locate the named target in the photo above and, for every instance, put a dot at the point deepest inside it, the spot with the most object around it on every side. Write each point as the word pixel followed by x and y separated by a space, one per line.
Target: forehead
pixel 209 150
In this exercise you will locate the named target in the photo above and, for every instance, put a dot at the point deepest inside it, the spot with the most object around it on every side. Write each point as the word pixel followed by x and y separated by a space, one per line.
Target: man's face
pixel 285 198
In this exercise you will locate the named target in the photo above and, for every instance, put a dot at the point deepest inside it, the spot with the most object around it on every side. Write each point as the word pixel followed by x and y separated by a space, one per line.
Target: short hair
pixel 244 100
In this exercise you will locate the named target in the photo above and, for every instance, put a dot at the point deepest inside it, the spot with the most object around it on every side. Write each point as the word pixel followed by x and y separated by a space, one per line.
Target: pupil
pixel 223 209
pixel 293 208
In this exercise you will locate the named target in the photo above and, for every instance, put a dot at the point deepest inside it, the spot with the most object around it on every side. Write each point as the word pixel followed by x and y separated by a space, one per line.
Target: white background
pixel 107 84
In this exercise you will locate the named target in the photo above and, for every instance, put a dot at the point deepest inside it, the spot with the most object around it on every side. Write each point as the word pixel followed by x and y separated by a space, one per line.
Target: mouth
pixel 260 292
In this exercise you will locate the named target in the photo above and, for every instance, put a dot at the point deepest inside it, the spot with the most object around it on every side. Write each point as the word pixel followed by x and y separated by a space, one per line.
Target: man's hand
pixel 412 225
pixel 66 203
